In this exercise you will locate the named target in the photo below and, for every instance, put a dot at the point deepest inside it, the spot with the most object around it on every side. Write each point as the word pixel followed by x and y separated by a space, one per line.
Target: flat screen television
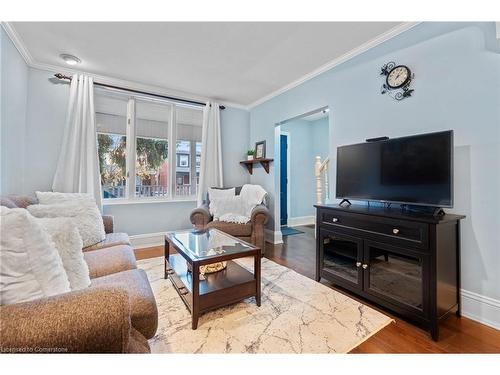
pixel 414 170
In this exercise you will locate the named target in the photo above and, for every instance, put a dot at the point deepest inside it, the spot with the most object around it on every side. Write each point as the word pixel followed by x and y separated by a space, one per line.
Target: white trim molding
pixel 140 241
pixel 301 220
pixel 497 24
pixel 273 237
pixel 485 310
pixel 395 31
pixel 32 63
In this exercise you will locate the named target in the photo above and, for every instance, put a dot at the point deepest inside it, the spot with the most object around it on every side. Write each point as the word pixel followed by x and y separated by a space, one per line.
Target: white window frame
pixel 131 137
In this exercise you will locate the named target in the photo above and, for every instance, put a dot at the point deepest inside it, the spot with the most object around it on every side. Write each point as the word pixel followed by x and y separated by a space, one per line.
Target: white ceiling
pixel 232 62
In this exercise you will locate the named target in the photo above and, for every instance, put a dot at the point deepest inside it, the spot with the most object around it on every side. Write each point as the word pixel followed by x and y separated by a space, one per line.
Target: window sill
pixel 123 201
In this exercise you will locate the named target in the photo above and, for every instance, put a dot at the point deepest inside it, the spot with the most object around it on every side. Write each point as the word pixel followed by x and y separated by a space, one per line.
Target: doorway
pixel 299 141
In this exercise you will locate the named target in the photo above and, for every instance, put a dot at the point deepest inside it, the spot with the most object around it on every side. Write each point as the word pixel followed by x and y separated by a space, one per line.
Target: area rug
pixel 287 231
pixel 298 315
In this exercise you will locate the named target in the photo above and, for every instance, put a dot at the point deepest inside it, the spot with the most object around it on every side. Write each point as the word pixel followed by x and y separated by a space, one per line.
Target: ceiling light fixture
pixel 70 59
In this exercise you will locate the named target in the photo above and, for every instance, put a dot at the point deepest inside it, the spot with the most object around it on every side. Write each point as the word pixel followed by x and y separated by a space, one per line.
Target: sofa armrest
pixel 92 320
pixel 108 222
pixel 260 215
pixel 200 216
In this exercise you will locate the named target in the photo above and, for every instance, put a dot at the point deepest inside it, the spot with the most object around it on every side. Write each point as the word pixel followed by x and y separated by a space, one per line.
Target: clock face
pixel 398 76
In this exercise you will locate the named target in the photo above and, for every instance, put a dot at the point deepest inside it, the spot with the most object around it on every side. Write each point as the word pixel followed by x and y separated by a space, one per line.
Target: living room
pixel 232 187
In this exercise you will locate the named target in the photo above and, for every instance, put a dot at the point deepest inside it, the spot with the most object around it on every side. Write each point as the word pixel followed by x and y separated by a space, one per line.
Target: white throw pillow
pixel 49 197
pixel 30 266
pixel 68 242
pixel 216 195
pixel 85 215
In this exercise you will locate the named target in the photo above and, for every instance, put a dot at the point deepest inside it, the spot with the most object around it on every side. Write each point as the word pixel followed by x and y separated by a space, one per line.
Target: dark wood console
pixel 404 262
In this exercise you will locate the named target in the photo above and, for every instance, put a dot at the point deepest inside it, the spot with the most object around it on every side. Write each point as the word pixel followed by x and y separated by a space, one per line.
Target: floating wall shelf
pixel 249 164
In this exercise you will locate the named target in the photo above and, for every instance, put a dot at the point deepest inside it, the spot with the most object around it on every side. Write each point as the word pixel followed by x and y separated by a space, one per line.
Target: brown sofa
pixel 116 314
pixel 252 231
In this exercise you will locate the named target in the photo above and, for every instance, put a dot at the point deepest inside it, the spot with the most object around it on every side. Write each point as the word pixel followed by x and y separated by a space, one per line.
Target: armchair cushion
pixel 238 230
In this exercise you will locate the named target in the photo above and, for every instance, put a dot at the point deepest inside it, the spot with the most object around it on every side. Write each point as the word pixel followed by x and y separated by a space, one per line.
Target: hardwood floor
pixel 457 335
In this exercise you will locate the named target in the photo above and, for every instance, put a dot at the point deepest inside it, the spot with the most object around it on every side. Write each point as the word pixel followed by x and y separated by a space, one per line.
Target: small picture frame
pixel 260 150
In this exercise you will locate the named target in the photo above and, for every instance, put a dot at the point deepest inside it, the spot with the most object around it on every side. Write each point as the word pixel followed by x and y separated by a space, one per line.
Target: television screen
pixel 411 170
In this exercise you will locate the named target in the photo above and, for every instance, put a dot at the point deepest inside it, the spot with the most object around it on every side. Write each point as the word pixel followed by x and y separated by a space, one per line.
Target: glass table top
pixel 207 244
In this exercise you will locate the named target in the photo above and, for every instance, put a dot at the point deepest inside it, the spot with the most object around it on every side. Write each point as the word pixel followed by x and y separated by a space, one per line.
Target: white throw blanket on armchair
pixel 238 208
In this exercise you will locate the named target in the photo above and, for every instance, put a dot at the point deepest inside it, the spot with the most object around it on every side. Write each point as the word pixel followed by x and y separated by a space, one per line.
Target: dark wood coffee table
pixel 202 293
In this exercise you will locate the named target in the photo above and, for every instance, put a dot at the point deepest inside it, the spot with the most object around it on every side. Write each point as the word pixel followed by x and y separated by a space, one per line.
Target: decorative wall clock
pixel 397 81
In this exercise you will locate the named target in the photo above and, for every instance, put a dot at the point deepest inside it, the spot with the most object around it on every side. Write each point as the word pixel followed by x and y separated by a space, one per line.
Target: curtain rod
pixel 62 76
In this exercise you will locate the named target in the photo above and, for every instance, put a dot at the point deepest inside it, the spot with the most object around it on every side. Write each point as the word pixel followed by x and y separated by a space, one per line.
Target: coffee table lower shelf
pixel 218 289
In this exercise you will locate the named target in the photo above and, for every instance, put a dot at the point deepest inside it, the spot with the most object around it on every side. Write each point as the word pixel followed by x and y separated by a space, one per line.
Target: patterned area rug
pixel 298 315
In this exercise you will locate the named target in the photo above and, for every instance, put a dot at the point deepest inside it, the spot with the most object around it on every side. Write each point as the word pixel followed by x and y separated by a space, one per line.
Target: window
pixel 188 150
pixel 134 135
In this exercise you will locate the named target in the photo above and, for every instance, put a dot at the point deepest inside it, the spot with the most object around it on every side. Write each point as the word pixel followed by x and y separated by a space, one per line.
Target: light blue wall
pixel 13 97
pixel 456 86
pixel 33 114
pixel 307 139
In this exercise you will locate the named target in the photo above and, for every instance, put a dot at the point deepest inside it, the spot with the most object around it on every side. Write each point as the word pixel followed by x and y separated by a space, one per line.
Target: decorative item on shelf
pixel 397 81
pixel 260 150
pixel 250 154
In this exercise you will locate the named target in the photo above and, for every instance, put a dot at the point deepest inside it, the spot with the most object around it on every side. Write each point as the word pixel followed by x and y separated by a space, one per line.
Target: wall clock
pixel 397 81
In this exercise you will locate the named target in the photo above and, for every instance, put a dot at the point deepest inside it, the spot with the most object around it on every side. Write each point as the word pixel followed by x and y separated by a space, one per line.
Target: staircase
pixel 321 170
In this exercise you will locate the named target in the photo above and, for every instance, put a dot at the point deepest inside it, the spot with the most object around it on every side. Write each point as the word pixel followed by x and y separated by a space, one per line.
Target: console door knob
pixel 395 231
pixel 335 219
pixel 358 264
pixel 365 266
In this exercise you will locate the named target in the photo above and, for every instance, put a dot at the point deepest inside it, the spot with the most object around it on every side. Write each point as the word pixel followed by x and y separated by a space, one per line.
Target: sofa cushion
pixel 110 260
pixel 112 239
pixel 143 310
pixel 30 266
pixel 86 216
pixel 232 228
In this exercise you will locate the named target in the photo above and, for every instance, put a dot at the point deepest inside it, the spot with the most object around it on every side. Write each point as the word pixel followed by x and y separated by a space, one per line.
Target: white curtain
pixel 211 151
pixel 78 166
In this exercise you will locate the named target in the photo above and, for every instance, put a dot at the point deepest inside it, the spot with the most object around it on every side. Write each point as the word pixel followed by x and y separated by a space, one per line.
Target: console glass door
pixel 394 275
pixel 342 255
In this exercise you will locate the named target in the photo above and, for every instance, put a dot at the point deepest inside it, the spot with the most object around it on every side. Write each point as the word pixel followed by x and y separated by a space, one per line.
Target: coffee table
pixel 202 293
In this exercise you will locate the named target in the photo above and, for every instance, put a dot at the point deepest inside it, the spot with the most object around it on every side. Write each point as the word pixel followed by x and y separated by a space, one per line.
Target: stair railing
pixel 321 167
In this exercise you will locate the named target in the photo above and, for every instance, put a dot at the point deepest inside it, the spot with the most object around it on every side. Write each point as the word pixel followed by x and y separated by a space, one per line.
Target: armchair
pixel 252 232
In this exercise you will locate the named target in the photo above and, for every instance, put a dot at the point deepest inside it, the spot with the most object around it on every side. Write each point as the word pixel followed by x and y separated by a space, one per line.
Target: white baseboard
pixel 480 308
pixel 301 220
pixel 273 237
pixel 140 241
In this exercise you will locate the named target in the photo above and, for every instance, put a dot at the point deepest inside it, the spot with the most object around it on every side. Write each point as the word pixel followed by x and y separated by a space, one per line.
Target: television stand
pixel 402 261
pixel 344 201
pixel 432 211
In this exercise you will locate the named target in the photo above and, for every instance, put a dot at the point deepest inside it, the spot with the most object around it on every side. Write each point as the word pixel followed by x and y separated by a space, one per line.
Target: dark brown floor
pixel 457 335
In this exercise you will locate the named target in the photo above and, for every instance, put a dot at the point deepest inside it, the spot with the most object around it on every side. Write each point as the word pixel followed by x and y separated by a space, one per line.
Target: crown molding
pixel 18 42
pixel 31 62
pixel 395 31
